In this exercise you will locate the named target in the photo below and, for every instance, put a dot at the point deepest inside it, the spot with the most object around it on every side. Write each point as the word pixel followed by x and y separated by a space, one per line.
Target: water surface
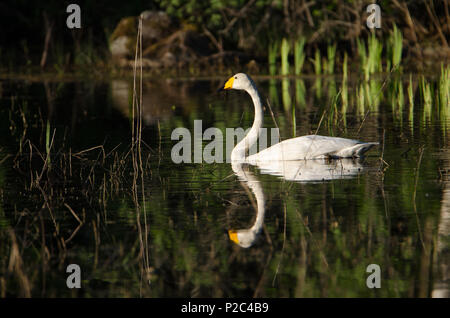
pixel 68 195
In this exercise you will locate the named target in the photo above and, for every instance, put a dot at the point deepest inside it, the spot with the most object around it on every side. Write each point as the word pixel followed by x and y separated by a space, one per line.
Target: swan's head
pixel 243 238
pixel 238 81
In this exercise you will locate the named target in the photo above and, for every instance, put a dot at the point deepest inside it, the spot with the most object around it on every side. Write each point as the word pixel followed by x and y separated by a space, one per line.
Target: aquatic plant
pixel 427 97
pixel 370 57
pixel 299 55
pixel 394 48
pixel 330 61
pixel 344 86
pixel 272 57
pixel 411 100
pixel 285 47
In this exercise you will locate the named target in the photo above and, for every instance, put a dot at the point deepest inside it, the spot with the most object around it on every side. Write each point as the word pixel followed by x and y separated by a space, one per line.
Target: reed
pixel 394 48
pixel 285 47
pixel 331 58
pixel 374 49
pixel 317 62
pixel 272 56
pixel 344 87
pixel 299 55
pixel 370 57
pixel 411 100
pixel 333 113
pixel 427 97
pixel 444 88
pixel 294 123
pixel 47 144
pixel 317 70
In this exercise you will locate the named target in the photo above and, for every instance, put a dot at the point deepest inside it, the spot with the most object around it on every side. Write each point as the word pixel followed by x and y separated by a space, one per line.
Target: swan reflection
pixel 298 170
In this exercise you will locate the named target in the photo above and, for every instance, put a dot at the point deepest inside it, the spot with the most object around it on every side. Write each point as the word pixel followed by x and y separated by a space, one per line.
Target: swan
pixel 305 147
pixel 299 171
pixel 247 237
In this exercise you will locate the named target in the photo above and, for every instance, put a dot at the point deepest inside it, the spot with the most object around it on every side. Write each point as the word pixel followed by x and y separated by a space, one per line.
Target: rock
pixel 155 26
pixel 119 47
pixel 123 39
pixel 166 43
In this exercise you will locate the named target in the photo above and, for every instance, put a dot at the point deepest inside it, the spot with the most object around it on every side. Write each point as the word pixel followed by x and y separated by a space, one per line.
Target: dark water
pixel 167 232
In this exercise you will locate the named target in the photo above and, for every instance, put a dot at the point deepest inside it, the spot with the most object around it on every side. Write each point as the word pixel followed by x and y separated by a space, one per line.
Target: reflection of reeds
pixel 285 94
pixel 300 92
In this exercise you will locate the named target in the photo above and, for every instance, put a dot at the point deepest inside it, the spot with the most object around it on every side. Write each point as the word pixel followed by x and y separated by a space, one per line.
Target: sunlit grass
pixel 285 47
pixel 272 57
pixel 299 55
pixel 394 48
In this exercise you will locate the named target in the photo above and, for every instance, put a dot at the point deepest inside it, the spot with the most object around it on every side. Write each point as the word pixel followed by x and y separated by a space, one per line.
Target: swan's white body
pixel 293 170
pixel 306 147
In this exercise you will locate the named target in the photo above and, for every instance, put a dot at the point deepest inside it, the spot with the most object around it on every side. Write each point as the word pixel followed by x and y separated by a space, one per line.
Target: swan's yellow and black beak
pixel 228 84
pixel 232 234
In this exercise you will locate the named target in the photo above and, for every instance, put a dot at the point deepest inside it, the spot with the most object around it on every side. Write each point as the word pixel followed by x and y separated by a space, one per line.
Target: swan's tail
pixel 355 151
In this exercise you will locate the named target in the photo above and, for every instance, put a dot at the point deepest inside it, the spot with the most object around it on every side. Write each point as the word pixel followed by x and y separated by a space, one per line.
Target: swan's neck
pixel 239 152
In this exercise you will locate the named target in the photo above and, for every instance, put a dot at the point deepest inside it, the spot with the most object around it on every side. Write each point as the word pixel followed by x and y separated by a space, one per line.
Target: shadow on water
pixel 66 189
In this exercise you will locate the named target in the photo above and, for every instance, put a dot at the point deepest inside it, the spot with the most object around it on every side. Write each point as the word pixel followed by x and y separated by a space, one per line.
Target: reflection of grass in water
pixel 300 92
pixel 397 98
pixel 360 100
pixel 273 92
pixel 285 94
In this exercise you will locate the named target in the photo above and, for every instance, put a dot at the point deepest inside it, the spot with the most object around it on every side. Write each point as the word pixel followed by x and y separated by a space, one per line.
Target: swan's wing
pixel 312 170
pixel 312 147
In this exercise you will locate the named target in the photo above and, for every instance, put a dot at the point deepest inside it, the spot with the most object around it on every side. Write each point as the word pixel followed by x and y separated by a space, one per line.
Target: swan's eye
pixel 235 77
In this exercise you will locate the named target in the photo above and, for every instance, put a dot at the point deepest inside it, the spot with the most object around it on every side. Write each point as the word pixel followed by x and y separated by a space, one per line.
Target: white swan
pixel 305 147
pixel 299 171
